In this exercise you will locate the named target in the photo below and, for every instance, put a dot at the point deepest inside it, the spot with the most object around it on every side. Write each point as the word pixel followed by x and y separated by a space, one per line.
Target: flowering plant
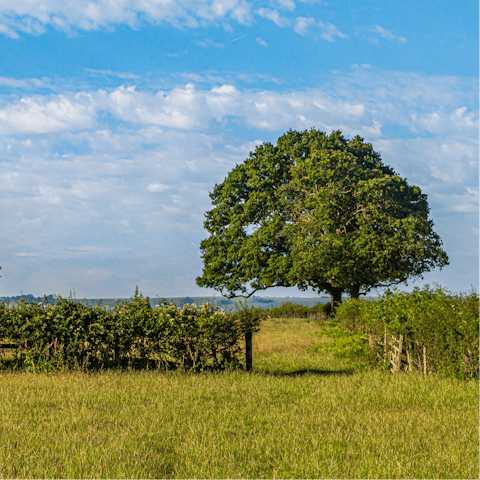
pixel 467 365
pixel 43 359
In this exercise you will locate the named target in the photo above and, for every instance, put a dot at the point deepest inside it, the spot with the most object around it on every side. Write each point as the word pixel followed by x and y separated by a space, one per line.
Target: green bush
pixel 446 324
pixel 295 310
pixel 191 338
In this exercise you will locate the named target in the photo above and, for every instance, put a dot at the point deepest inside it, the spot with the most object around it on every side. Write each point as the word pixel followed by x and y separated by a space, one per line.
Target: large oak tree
pixel 317 211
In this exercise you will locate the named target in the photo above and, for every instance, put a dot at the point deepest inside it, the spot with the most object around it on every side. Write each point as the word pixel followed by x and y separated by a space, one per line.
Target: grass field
pixel 298 415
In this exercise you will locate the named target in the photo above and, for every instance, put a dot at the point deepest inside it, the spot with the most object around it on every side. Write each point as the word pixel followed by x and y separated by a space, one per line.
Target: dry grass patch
pixel 286 335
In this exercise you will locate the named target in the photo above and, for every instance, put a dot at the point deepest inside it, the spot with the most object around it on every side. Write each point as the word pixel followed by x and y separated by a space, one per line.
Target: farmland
pixel 298 414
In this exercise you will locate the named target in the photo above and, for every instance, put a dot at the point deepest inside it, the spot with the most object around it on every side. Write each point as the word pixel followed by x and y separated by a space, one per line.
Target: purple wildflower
pixel 25 344
pixel 55 344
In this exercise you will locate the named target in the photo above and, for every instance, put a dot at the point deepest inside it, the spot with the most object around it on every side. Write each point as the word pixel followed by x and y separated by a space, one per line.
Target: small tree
pixel 316 211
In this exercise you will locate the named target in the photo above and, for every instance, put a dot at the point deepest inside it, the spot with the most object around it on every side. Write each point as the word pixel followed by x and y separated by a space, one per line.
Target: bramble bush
pixel 133 333
pixel 446 324
pixel 293 310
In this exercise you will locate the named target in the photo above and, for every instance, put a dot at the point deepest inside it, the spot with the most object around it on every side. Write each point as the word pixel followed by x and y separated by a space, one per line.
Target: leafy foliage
pixel 446 324
pixel 316 211
pixel 191 338
pixel 46 359
pixel 295 310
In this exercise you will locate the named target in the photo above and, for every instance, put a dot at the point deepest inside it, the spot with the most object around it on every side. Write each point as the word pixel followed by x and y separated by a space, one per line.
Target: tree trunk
pixel 336 296
pixel 355 292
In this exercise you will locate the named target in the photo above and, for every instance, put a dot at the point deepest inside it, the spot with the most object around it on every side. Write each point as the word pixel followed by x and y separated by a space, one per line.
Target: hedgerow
pixel 294 310
pixel 72 335
pixel 446 324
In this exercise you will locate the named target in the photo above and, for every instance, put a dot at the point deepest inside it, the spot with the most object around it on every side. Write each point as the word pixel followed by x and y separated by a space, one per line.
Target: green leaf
pixel 317 211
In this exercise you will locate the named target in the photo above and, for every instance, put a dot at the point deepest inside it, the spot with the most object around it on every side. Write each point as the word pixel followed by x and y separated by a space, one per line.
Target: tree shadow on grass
pixel 313 371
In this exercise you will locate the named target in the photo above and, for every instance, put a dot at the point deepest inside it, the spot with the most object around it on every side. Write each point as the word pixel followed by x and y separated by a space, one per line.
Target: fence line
pixel 399 353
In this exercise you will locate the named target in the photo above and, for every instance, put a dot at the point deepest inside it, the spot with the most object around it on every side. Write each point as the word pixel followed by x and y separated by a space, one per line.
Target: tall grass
pixel 302 413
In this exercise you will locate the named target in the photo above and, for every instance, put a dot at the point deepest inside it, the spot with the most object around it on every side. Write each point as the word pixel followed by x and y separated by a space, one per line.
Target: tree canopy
pixel 317 211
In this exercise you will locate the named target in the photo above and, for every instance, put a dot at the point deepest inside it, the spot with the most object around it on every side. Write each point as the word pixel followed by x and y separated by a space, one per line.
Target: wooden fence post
pixel 248 351
pixel 385 343
pixel 400 351
pixel 396 356
pixel 410 361
pixel 424 360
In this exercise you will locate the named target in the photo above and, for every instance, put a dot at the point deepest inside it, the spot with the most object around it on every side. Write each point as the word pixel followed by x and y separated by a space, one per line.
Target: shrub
pixel 295 310
pixel 445 324
pixel 192 338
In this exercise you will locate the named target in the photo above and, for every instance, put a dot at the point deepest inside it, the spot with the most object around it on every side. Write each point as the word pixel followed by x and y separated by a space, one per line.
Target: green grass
pixel 303 413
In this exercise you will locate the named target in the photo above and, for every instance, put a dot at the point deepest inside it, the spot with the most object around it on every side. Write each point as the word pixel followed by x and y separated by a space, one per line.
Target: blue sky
pixel 117 118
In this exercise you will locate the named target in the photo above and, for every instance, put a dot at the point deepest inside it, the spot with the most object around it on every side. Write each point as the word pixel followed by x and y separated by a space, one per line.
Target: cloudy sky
pixel 117 118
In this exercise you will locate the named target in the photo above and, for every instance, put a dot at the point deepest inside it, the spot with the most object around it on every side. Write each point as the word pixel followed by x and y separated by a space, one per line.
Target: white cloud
pixel 209 43
pixel 326 31
pixel 468 202
pixel 26 84
pixel 8 32
pixel 129 169
pixel 39 114
pixel 157 187
pixel 32 16
pixel 49 194
pixel 389 35
pixel 303 24
pixel 180 108
pixel 329 31
pixel 255 77
pixel 111 73
pixel 242 13
pixel 420 103
pixel 274 16
pixel 262 42
pixel 64 279
pixel 286 4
